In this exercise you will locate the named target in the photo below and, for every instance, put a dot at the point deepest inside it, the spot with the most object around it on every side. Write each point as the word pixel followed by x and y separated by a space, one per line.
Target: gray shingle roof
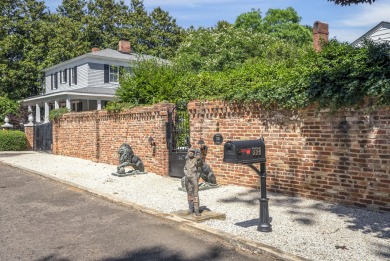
pixel 95 90
pixel 110 54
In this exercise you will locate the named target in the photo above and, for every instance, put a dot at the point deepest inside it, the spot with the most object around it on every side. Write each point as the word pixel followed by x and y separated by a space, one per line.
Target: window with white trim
pixel 73 75
pixel 114 73
pixel 63 76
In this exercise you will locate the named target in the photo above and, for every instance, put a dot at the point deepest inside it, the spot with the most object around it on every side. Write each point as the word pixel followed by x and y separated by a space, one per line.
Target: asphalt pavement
pixel 302 229
pixel 42 219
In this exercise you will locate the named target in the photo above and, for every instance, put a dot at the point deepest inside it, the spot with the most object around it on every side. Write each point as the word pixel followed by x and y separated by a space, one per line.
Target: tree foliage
pixel 225 47
pixel 341 75
pixel 23 46
pixel 349 2
pixel 33 38
pixel 280 23
pixel 7 107
pixel 345 75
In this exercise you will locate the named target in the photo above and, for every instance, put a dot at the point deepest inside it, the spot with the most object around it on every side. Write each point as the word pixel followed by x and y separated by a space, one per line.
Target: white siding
pixel 96 76
pixel 82 73
pixel 90 73
pixel 381 35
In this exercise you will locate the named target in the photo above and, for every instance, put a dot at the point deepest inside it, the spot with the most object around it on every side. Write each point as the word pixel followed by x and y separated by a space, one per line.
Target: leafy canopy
pixel 349 2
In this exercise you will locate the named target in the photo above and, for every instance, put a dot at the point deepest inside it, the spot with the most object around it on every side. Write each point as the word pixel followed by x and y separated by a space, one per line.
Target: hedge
pixel 12 140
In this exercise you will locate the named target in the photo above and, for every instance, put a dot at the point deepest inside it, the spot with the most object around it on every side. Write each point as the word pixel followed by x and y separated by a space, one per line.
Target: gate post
pixel 29 131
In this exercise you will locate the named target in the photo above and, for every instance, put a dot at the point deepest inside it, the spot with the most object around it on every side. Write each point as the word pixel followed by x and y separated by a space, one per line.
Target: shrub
pixel 12 140
pixel 57 113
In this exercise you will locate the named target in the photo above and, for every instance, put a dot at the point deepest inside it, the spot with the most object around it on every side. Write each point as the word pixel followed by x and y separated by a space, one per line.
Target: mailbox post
pixel 248 152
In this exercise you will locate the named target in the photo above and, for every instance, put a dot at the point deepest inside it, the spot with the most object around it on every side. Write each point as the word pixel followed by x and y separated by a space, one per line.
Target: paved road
pixel 41 219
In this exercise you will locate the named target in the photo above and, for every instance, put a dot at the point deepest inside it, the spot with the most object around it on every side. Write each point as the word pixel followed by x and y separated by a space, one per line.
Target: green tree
pixel 23 47
pixel 251 20
pixel 7 107
pixel 225 47
pixel 281 23
pixel 349 2
pixel 67 40
pixel 139 23
pixel 151 82
pixel 102 19
pixel 166 34
pixel 73 9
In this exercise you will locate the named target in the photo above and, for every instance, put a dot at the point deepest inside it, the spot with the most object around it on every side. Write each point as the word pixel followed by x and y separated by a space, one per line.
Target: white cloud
pixel 188 3
pixel 369 15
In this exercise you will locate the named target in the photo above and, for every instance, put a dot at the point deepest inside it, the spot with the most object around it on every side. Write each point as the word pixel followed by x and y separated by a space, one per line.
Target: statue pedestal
pixel 205 214
pixel 202 186
pixel 129 173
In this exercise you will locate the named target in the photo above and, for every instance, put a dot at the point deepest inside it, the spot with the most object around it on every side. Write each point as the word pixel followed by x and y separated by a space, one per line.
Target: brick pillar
pixel 29 131
pixel 320 34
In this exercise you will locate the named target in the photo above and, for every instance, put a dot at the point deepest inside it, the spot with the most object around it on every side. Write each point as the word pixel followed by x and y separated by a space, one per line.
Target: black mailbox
pixel 244 151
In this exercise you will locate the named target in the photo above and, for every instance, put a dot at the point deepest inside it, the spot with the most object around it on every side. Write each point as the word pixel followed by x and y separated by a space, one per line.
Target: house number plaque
pixel 218 139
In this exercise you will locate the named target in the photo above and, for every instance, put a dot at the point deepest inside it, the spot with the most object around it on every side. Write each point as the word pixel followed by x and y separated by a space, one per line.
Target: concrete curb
pixel 233 240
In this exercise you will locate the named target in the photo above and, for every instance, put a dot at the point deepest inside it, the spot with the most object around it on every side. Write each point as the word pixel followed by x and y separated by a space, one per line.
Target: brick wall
pixel 29 131
pixel 97 135
pixel 342 157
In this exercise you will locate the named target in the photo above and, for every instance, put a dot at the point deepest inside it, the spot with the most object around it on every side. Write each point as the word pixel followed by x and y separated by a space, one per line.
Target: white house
pixel 85 82
pixel 380 33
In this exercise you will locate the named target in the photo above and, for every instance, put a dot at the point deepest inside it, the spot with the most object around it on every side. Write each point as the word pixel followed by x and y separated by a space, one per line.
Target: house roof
pixel 87 91
pixel 383 36
pixel 107 55
pixel 96 90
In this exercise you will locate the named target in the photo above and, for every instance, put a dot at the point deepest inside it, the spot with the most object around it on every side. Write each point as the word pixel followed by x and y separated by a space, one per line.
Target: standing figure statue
pixel 192 170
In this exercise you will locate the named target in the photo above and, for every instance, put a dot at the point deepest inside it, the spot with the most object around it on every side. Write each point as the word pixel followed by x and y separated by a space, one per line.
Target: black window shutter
pixel 51 81
pixel 70 76
pixel 56 80
pixel 65 75
pixel 106 73
pixel 75 75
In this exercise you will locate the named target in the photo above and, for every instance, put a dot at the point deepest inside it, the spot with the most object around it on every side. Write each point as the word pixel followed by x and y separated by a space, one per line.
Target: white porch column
pixel 56 104
pixel 47 109
pixel 68 105
pixel 37 113
pixel 99 104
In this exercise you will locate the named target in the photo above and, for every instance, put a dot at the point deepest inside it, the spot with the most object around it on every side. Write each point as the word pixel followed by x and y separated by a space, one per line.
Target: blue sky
pixel 345 23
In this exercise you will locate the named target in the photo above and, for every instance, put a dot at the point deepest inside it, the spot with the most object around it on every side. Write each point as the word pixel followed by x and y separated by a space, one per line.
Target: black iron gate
pixel 43 137
pixel 178 139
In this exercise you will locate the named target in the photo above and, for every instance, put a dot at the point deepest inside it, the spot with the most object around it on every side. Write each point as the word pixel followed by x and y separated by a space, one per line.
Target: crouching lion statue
pixel 127 158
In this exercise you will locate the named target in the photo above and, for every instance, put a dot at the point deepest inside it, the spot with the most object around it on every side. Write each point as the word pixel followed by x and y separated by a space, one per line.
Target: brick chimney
pixel 95 49
pixel 320 34
pixel 124 46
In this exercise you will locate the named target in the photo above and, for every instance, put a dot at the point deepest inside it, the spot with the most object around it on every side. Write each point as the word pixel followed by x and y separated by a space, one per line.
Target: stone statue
pixel 192 170
pixel 127 158
pixel 208 176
